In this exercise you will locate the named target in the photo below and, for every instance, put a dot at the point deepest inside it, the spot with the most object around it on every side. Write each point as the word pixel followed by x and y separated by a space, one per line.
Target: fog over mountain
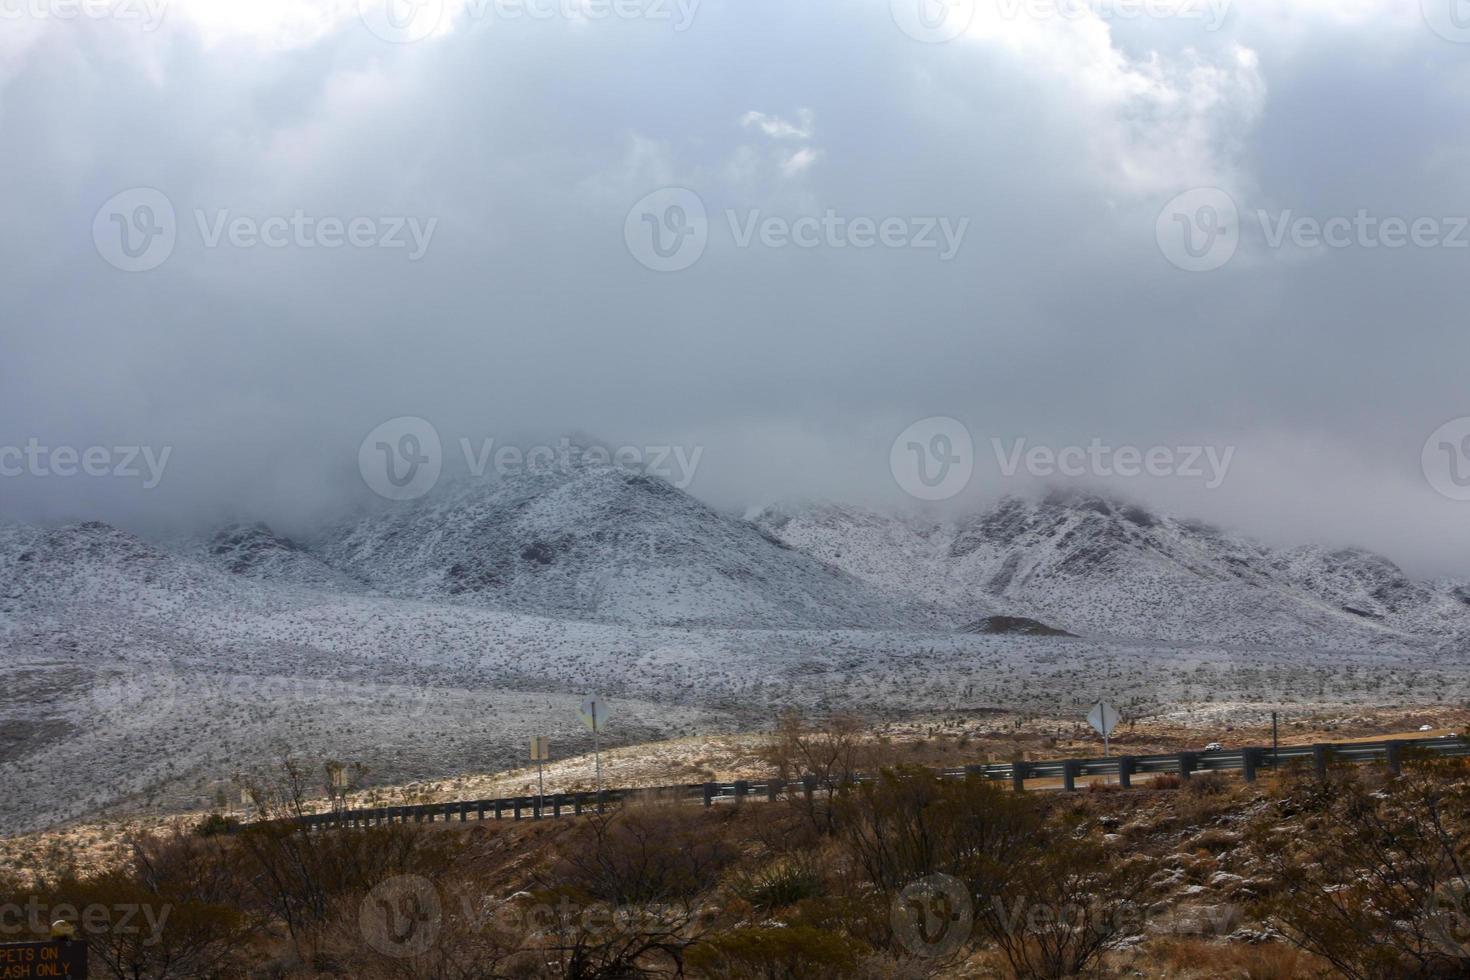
pixel 433 637
pixel 502 160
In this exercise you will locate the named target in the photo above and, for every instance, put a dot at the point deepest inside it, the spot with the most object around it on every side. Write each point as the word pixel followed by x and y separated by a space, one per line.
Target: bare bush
pixel 1375 880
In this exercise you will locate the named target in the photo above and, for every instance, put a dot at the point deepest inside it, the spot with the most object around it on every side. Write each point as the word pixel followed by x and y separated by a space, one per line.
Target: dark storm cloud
pixel 517 148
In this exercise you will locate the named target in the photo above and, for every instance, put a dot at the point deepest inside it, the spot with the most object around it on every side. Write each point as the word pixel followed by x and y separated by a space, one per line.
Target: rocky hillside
pixel 1102 567
pixel 606 544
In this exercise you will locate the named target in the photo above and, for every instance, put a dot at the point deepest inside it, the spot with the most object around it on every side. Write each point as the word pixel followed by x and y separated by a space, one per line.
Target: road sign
pixel 1104 717
pixel 54 958
pixel 593 712
pixel 594 716
pixel 540 748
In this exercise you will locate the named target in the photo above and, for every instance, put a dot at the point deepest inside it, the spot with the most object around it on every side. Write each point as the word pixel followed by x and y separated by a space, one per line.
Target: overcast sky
pixel 1033 282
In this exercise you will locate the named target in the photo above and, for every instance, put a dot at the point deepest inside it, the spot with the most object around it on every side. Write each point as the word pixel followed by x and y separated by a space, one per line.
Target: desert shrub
pixel 1205 784
pixel 1165 780
pixel 216 823
pixel 832 750
pixel 1052 900
pixel 629 891
pixel 1374 881
pixel 778 884
pixel 780 953
pixel 649 854
pixel 1266 961
pixel 178 909
pixel 1059 902
pixel 909 823
pixel 296 876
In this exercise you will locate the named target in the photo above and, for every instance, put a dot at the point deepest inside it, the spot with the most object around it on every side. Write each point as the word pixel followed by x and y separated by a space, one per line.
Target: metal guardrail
pixel 1248 761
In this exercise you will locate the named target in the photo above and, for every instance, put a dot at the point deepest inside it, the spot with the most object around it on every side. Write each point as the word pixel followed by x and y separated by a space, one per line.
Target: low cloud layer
pixel 252 233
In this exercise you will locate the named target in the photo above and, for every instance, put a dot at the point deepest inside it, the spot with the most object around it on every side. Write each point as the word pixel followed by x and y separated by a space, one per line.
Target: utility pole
pixel 1275 741
pixel 597 756
pixel 540 752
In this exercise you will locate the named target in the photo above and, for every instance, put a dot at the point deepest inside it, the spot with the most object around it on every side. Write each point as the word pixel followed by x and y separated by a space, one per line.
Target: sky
pixel 797 241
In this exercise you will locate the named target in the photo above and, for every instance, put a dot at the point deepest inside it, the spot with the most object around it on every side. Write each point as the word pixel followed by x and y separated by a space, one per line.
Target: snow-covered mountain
pixel 257 552
pixel 606 544
pixel 84 567
pixel 433 637
pixel 1101 567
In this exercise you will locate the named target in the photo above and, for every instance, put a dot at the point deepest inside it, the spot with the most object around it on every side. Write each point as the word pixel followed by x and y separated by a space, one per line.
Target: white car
pixel 1214 747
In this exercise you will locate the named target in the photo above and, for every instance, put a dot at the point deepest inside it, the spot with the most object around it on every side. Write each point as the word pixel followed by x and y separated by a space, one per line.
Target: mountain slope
pixel 603 543
pixel 1100 567
pixel 255 551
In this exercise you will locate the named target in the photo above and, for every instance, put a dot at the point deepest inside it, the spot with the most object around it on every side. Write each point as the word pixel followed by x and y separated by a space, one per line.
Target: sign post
pixel 1104 718
pixel 594 715
pixel 54 958
pixel 540 752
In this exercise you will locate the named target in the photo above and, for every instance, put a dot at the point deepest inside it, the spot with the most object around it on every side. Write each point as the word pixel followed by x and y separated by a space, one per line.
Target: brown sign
pixel 54 958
